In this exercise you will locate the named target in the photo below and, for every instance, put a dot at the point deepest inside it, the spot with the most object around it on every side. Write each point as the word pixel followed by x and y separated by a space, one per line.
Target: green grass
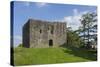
pixel 32 56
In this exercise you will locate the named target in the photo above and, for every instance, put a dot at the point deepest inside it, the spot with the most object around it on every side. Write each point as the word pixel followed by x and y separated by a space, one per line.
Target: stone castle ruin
pixel 41 34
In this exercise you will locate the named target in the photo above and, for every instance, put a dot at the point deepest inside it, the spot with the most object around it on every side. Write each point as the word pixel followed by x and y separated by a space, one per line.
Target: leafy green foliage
pixel 73 38
pixel 20 45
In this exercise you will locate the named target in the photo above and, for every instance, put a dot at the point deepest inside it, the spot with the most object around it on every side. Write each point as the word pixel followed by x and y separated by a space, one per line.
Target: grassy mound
pixel 32 56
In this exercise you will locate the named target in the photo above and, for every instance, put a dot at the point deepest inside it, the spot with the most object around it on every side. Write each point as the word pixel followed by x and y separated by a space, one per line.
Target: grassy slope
pixel 26 56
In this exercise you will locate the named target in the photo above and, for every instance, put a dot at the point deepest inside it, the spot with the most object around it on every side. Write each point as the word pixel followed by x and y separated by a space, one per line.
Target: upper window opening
pixel 52 29
pixel 40 31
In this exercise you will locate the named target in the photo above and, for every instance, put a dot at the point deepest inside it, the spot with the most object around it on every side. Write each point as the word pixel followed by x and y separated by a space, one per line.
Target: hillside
pixel 33 56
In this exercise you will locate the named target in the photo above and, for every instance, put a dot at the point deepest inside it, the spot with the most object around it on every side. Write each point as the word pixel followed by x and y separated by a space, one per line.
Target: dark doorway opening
pixel 51 42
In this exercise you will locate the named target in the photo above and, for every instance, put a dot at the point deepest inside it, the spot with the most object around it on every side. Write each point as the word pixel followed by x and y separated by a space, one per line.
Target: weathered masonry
pixel 38 34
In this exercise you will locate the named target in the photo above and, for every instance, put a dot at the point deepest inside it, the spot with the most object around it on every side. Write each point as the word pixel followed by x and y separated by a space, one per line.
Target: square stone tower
pixel 41 34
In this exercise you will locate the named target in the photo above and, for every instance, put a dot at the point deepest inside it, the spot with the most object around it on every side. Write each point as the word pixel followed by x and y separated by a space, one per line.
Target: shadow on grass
pixel 79 52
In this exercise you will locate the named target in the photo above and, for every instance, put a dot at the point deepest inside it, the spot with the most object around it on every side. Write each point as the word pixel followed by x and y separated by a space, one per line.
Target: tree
pixel 87 21
pixel 73 38
pixel 20 45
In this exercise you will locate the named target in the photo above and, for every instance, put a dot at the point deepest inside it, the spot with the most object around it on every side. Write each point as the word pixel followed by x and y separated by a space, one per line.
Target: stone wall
pixel 37 33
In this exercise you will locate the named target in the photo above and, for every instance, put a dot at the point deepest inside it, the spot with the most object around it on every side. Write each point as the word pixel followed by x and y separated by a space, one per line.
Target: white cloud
pixel 40 4
pixel 18 37
pixel 74 20
pixel 17 40
pixel 75 11
pixel 26 3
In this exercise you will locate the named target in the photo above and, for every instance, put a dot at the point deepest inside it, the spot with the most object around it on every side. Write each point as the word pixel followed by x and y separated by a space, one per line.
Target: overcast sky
pixel 46 11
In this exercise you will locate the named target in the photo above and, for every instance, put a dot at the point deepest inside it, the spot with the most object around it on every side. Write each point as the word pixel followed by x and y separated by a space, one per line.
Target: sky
pixel 46 11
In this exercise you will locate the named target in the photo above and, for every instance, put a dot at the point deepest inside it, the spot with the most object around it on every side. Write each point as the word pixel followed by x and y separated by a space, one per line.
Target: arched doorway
pixel 50 42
